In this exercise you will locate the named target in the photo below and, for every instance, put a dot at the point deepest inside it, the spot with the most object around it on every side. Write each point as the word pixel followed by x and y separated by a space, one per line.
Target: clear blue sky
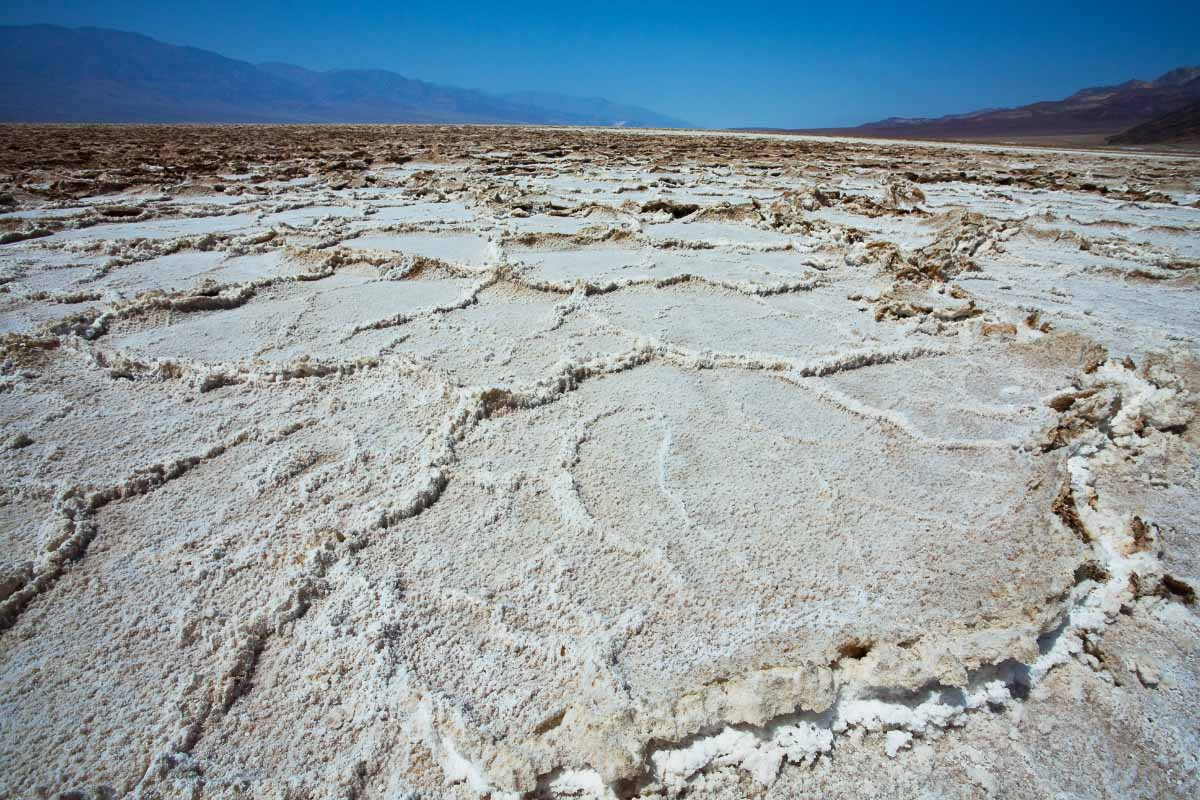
pixel 794 64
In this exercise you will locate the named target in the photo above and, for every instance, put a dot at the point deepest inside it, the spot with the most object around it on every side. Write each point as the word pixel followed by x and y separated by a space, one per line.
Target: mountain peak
pixel 1178 77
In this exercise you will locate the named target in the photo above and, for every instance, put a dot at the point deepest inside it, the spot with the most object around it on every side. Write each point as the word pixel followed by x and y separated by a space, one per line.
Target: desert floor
pixel 399 462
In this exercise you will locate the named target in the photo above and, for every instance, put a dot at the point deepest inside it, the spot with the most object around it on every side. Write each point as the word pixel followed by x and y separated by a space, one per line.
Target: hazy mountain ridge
pixel 55 74
pixel 595 109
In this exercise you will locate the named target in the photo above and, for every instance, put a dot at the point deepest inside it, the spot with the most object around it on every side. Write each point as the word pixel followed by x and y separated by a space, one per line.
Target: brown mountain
pixel 1178 127
pixel 1102 110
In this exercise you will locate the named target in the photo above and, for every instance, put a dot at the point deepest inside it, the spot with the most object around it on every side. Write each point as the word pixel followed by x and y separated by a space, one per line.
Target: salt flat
pixel 511 462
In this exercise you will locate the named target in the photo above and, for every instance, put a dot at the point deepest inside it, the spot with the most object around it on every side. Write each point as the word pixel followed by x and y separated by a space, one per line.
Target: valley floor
pixel 387 462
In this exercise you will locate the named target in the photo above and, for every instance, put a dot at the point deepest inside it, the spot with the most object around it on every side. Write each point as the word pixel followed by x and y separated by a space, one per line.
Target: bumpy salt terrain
pixel 437 462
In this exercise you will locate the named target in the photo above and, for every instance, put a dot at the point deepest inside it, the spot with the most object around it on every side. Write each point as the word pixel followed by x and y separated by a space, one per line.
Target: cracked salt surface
pixel 468 250
pixel 625 477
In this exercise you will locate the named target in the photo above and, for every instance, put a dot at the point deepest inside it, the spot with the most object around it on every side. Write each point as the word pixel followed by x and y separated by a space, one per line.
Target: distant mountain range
pixel 54 74
pixel 1102 110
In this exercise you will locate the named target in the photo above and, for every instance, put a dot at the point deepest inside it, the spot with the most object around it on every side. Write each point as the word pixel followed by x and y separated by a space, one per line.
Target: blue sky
pixel 794 64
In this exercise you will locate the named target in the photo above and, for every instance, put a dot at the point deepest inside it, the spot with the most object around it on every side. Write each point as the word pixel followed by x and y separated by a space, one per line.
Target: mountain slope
pixel 54 74
pixel 1096 110
pixel 1182 126
pixel 382 96
pixel 596 110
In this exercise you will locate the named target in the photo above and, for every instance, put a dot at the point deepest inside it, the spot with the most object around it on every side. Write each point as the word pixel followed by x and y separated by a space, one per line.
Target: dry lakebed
pixel 462 462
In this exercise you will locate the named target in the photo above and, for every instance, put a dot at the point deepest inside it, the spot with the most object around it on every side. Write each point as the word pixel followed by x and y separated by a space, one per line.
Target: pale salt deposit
pixel 711 466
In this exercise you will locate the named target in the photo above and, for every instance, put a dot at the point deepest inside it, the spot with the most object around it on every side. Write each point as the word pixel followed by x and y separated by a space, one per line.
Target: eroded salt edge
pixel 800 738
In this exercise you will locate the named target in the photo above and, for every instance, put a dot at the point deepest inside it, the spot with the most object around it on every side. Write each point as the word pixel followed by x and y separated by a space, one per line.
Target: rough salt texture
pixel 448 462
